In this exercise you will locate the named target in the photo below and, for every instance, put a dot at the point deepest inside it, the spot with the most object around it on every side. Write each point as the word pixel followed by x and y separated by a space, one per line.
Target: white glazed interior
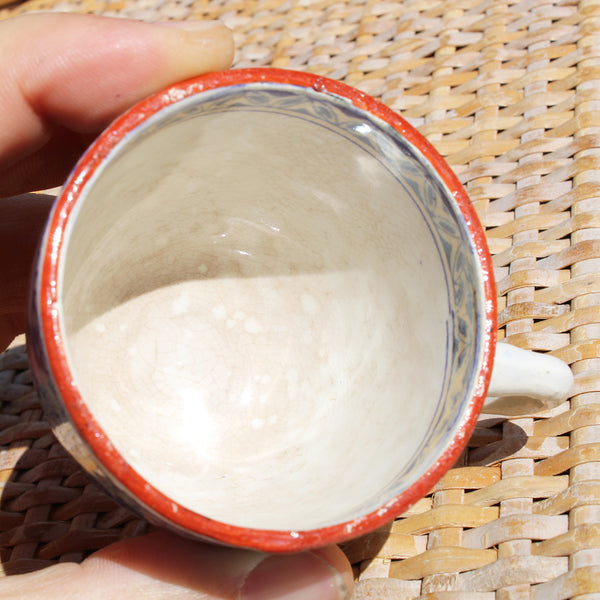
pixel 259 309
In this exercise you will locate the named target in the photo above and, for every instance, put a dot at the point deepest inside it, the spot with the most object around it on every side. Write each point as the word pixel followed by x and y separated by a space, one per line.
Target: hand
pixel 63 78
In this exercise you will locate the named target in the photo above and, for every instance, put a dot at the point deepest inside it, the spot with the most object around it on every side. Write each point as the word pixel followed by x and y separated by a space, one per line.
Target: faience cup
pixel 264 313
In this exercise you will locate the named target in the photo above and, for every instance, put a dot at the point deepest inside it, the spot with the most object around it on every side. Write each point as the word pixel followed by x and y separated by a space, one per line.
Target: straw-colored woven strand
pixel 509 93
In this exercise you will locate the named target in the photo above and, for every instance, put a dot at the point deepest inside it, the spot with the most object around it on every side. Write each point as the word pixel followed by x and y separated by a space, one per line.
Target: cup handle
pixel 525 382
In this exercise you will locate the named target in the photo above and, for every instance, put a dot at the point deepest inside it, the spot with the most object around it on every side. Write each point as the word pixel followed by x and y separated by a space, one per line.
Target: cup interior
pixel 271 306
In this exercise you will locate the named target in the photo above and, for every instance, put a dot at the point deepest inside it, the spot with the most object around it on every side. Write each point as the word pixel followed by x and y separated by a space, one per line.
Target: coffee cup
pixel 264 313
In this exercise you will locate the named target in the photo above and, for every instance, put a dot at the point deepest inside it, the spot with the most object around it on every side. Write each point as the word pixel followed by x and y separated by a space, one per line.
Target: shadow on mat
pixel 494 439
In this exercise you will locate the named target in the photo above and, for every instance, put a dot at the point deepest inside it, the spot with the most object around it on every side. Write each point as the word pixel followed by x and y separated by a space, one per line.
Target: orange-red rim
pixel 181 517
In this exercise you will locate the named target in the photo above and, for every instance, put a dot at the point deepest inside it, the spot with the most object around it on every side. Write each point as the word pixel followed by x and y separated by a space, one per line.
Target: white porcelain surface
pixel 526 382
pixel 241 317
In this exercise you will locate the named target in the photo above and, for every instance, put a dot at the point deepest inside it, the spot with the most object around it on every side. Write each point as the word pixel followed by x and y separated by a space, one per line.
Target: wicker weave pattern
pixel 509 92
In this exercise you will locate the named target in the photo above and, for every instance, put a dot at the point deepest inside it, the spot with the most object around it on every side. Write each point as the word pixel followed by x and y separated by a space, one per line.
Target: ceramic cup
pixel 264 313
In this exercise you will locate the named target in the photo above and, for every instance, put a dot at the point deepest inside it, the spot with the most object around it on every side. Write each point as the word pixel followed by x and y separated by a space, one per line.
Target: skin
pixel 62 81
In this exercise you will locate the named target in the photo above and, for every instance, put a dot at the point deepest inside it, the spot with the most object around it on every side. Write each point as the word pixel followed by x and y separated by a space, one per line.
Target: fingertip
pixel 197 47
pixel 334 556
pixel 304 576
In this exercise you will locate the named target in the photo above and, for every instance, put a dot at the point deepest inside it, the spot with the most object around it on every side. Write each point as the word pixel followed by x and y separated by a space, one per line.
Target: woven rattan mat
pixel 509 93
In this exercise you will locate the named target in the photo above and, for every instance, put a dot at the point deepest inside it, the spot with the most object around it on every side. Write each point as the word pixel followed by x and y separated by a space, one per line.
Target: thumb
pixel 164 566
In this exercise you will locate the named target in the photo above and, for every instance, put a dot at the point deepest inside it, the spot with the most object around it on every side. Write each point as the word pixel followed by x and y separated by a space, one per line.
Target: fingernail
pixel 191 25
pixel 294 577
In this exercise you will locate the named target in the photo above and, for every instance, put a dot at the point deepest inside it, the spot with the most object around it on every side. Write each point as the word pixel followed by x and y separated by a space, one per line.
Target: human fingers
pixel 22 219
pixel 164 566
pixel 64 77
